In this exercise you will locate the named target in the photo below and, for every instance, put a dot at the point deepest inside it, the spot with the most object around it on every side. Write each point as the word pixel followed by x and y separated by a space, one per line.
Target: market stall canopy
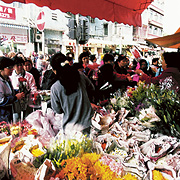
pixel 170 41
pixel 121 11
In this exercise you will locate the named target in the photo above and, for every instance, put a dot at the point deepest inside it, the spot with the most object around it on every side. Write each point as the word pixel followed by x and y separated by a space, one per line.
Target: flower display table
pixel 124 143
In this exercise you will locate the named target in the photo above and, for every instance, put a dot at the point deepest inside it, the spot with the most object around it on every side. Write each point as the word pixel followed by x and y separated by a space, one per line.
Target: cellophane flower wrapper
pixel 23 88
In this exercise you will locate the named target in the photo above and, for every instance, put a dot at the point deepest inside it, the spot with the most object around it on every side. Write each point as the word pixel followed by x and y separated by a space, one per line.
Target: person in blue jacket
pixel 7 94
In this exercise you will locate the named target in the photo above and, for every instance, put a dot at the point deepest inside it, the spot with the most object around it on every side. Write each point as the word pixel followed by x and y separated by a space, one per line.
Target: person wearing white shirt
pixel 30 86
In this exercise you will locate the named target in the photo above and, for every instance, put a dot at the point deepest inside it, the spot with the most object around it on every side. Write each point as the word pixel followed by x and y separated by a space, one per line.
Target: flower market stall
pixel 134 136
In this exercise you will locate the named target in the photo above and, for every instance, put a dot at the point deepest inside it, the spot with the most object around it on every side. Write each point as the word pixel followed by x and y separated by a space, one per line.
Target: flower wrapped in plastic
pixel 23 88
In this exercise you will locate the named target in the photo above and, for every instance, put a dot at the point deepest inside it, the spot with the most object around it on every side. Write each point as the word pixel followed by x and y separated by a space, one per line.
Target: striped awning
pixel 13 26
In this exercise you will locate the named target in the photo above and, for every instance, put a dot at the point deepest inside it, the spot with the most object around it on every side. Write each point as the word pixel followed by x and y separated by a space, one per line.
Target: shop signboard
pixel 14 38
pixel 7 12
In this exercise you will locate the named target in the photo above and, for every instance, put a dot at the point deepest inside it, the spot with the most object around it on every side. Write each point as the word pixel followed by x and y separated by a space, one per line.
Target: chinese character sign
pixel 7 12
pixel 14 38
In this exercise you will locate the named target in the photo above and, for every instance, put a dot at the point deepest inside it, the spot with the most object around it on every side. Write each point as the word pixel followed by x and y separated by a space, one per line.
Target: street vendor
pixel 170 77
pixel 7 93
pixel 69 95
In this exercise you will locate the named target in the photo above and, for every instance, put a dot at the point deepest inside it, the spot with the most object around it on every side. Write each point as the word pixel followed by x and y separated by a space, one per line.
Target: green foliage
pixel 65 150
pixel 166 103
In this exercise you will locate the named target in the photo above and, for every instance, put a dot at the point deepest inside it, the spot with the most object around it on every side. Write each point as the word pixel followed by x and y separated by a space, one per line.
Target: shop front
pixel 14 38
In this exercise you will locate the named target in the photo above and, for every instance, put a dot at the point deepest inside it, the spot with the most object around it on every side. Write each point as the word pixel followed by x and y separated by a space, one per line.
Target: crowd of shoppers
pixel 76 88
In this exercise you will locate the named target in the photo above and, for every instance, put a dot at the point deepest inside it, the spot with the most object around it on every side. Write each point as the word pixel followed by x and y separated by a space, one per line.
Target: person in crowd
pixel 93 59
pixel 78 66
pixel 49 78
pixel 94 68
pixel 133 65
pixel 28 66
pixel 144 66
pixel 69 95
pixel 39 63
pixel 89 69
pixel 121 64
pixel 84 60
pixel 8 96
pixel 11 54
pixel 170 77
pixel 155 69
pixel 121 68
pixel 30 85
pixel 70 58
pixel 107 75
pixel 34 58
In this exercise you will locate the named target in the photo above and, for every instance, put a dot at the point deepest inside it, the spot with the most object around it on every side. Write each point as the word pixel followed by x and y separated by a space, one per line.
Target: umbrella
pixel 121 11
pixel 170 41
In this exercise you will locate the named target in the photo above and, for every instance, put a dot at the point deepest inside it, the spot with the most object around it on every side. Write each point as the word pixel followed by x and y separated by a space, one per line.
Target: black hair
pixel 17 59
pixel 84 54
pixel 155 60
pixel 108 57
pixel 172 59
pixel 28 60
pixel 78 66
pixel 92 57
pixel 142 61
pixel 107 72
pixel 67 75
pixel 5 62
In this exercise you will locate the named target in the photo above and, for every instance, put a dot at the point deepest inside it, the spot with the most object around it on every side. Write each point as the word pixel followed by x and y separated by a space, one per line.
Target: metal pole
pixel 77 51
pixel 77 40
pixel 43 43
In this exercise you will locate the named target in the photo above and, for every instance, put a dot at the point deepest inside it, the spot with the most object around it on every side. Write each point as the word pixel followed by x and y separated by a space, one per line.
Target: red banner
pixel 7 12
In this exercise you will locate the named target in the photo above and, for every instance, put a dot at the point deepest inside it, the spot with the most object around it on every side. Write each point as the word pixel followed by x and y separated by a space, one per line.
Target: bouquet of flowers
pixel 64 149
pixel 5 128
pixel 86 167
pixel 166 105
pixel 23 88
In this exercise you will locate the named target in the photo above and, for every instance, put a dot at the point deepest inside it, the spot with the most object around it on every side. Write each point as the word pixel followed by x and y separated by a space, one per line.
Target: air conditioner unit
pixel 38 38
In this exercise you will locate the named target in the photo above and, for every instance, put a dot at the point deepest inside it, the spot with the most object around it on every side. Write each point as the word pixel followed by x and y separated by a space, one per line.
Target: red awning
pixel 170 41
pixel 121 11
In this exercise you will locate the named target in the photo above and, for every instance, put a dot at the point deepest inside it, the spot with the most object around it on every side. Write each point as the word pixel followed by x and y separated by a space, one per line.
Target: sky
pixel 171 16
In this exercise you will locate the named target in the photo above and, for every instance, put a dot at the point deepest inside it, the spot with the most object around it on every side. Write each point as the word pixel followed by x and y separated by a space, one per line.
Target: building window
pixel 92 20
pixel 156 17
pixel 151 14
pixel 106 29
pixel 115 28
pixel 150 29
pixel 155 31
pixel 54 16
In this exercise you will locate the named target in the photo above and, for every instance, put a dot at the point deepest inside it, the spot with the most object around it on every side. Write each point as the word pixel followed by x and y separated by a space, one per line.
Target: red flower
pixel 21 79
pixel 104 102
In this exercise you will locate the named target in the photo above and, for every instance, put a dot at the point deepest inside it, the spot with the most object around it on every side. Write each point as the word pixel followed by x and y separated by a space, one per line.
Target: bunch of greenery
pixel 165 102
pixel 66 149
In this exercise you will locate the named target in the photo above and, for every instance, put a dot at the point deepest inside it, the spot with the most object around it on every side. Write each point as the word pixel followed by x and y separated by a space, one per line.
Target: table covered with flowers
pixel 134 136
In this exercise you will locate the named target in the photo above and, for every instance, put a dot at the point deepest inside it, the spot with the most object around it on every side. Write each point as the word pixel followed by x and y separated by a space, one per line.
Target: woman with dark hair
pixel 28 66
pixel 69 95
pixel 170 77
pixel 144 66
pixel 7 93
pixel 28 86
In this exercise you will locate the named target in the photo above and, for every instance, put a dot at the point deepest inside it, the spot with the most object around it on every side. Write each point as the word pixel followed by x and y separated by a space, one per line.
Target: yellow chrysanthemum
pixel 87 167
pixel 128 177
pixel 157 175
